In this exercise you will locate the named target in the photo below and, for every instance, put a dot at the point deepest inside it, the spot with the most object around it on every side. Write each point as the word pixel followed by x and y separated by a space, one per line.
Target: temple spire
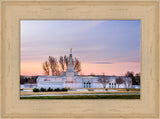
pixel 70 66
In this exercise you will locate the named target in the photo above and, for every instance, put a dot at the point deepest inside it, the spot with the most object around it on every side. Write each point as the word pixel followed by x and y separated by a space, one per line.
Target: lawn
pixel 74 92
pixel 87 97
pixel 119 90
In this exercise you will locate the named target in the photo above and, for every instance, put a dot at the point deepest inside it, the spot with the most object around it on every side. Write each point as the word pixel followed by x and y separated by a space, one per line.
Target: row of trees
pixel 54 67
pixel 135 77
pixel 105 80
pixel 119 80
pixel 30 80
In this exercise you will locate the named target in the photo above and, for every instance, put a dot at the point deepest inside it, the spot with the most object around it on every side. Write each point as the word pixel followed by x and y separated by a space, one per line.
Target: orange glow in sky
pixel 35 68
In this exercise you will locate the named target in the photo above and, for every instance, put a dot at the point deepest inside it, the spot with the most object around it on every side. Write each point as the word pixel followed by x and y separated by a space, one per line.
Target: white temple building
pixel 71 79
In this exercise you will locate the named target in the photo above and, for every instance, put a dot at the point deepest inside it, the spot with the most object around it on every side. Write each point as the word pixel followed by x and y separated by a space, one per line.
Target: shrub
pixel 35 90
pixel 57 89
pixel 106 89
pixel 49 89
pixel 43 89
pixel 64 89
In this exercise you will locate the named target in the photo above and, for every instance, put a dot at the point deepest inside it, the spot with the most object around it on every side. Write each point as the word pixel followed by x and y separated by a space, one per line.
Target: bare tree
pixel 103 80
pixel 66 61
pixel 58 72
pixel 119 81
pixel 61 62
pixel 127 83
pixel 137 79
pixel 130 74
pixel 52 66
pixel 53 63
pixel 76 64
pixel 46 67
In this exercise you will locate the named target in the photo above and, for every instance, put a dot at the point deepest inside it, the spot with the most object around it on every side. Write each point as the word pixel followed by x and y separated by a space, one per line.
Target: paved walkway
pixel 81 94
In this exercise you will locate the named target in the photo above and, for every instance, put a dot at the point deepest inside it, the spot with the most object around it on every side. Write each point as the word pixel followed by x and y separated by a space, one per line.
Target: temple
pixel 70 79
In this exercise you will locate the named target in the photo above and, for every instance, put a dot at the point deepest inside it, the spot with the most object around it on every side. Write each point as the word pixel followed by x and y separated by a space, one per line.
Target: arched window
pixel 84 84
pixel 109 85
pixel 89 85
pixel 112 85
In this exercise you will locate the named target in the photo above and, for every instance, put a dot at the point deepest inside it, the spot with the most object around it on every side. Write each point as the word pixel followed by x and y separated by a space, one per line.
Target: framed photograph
pixel 79 59
pixel 101 66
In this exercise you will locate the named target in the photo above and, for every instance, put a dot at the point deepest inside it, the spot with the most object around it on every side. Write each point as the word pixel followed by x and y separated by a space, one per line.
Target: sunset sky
pixel 103 46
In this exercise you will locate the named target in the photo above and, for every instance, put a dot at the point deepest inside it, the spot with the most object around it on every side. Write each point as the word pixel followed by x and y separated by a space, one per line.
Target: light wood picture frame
pixel 12 11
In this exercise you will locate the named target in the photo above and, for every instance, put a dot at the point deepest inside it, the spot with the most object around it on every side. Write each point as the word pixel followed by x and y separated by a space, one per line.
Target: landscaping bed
pixel 49 89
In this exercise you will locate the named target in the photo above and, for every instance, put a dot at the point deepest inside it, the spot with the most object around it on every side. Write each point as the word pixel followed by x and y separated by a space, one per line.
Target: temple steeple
pixel 70 66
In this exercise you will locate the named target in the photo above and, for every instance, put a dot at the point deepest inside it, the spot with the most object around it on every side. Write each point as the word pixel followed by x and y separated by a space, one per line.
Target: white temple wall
pixel 50 84
pixel 97 85
pixel 78 82
pixel 68 85
pixel 73 85
pixel 22 86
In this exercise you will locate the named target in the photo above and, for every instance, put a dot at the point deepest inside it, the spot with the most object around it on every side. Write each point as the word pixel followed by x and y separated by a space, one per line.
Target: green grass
pixel 87 97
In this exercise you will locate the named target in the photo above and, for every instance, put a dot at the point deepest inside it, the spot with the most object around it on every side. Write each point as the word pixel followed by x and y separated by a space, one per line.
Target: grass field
pixel 82 92
pixel 87 97
pixel 74 92
pixel 118 89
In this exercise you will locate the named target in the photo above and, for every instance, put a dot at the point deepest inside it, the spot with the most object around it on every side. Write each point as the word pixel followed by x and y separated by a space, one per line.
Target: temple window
pixel 109 85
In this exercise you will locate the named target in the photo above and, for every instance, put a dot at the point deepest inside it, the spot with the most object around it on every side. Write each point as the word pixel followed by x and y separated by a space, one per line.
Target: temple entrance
pixel 87 85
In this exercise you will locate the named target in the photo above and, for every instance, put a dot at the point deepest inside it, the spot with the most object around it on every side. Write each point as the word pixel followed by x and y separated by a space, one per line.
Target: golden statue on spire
pixel 71 50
